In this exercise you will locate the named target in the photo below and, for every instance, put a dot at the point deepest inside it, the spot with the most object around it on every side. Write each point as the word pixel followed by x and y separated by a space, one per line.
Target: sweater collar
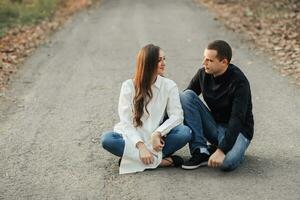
pixel 224 76
pixel 158 82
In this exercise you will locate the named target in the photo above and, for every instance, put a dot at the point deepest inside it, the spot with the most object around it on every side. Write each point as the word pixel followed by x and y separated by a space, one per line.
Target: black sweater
pixel 228 97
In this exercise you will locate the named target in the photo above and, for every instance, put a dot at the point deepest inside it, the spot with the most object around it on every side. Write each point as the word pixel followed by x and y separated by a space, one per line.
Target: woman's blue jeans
pixel 176 139
pixel 204 128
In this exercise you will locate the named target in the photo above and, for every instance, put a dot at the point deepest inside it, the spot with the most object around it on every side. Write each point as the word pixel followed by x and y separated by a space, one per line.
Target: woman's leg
pixel 113 142
pixel 176 139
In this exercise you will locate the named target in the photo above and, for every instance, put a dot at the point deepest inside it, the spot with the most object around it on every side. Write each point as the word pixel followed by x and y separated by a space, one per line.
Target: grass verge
pixel 24 12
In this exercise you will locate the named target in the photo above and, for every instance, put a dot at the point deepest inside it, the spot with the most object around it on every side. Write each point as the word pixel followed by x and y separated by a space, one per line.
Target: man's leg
pixel 236 155
pixel 199 119
pixel 113 142
pixel 176 139
pixel 203 126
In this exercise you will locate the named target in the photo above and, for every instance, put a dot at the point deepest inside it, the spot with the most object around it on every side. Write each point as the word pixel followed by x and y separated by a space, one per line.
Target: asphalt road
pixel 66 95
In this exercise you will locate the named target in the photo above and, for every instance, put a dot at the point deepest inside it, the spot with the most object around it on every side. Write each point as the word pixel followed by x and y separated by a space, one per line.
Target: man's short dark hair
pixel 223 49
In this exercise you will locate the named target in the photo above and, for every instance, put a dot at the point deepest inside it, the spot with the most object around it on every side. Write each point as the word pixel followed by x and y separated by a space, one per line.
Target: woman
pixel 142 138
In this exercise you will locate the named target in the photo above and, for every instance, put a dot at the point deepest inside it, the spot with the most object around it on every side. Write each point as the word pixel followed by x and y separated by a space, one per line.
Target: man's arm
pixel 237 117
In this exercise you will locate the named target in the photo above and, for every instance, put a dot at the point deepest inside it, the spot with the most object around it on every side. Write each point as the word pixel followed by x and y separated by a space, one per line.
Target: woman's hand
pixel 145 155
pixel 157 141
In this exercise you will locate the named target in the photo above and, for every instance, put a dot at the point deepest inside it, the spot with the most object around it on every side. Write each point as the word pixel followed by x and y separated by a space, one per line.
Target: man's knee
pixel 236 155
pixel 186 96
pixel 231 163
pixel 227 167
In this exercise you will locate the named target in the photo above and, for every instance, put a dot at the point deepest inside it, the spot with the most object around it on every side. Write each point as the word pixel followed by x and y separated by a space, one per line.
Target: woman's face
pixel 161 63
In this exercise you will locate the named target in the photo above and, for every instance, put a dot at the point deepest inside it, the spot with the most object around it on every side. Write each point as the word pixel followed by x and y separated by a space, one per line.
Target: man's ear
pixel 225 61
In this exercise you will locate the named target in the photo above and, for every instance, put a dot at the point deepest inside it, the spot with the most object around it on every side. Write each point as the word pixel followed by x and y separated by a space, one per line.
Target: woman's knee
pixel 106 139
pixel 184 133
pixel 188 133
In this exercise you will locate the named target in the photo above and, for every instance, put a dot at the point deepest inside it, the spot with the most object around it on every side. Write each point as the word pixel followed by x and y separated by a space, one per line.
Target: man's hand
pixel 145 155
pixel 157 141
pixel 216 159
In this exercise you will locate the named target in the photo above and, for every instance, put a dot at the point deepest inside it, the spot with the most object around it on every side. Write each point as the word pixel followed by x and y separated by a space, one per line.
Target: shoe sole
pixel 195 166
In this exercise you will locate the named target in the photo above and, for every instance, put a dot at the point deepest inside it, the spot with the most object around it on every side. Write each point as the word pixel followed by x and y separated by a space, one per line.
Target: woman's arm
pixel 174 111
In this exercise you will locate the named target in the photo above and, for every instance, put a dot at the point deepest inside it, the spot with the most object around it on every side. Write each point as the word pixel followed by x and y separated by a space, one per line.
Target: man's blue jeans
pixel 176 139
pixel 204 128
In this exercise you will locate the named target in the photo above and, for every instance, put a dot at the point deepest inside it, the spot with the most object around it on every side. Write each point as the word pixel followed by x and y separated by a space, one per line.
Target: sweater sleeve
pixel 125 113
pixel 195 83
pixel 237 117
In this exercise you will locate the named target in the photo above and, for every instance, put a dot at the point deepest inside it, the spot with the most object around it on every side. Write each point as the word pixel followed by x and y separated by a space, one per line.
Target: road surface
pixel 66 95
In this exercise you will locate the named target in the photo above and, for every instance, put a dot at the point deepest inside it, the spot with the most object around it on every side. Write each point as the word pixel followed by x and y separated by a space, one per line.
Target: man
pixel 228 123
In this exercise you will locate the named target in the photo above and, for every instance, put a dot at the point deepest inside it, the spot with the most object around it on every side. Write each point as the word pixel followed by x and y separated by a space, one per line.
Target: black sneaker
pixel 197 160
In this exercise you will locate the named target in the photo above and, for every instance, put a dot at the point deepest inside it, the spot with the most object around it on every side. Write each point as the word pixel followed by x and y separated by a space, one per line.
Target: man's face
pixel 212 64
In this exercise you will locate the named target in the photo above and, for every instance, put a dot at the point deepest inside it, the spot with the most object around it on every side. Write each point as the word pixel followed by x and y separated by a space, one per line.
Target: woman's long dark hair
pixel 146 68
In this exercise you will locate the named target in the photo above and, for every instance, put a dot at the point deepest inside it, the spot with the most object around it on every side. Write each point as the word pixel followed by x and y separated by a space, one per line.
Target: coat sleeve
pixel 174 111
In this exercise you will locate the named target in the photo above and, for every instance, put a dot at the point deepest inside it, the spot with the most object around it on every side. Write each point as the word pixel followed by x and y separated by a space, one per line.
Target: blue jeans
pixel 204 128
pixel 176 139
